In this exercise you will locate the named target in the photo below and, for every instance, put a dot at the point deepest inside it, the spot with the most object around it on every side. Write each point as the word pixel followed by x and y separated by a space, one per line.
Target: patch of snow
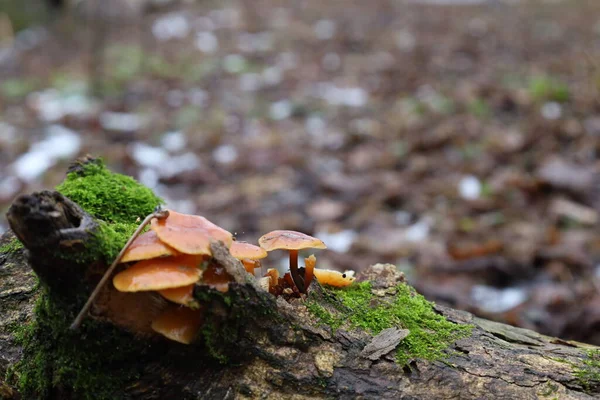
pixel 225 154
pixel 174 141
pixel 59 143
pixel 178 164
pixel 272 76
pixel 121 122
pixel 324 29
pixel 171 26
pixel 250 82
pixel 315 125
pixel 149 177
pixel 255 42
pixel 493 300
pixel 405 40
pixel 551 110
pixel 148 156
pixel 198 97
pixel 469 187
pixel 280 110
pixel 351 97
pixel 340 241
pixel 418 231
pixel 402 217
pixel 207 42
pixel 30 166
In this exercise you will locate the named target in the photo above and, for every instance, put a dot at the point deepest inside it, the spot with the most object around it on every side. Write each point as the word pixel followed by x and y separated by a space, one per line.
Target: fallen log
pixel 378 339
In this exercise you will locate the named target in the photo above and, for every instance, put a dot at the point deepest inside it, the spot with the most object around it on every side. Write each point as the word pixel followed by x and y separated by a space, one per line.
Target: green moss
pixel 323 315
pixel 119 202
pixel 58 360
pixel 546 88
pixel 108 196
pixel 11 246
pixel 430 333
pixel 588 373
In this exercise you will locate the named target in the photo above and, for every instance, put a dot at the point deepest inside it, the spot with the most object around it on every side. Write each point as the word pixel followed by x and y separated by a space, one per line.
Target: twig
pixel 158 213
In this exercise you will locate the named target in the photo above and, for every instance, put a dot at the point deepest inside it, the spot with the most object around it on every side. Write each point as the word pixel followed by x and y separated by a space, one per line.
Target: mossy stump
pixel 252 345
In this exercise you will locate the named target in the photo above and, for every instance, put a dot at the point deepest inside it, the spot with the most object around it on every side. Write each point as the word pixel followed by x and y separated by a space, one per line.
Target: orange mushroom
pixel 248 254
pixel 159 273
pixel 189 234
pixel 180 324
pixel 334 278
pixel 292 241
pixel 183 295
pixel 309 267
pixel 147 246
pixel 273 276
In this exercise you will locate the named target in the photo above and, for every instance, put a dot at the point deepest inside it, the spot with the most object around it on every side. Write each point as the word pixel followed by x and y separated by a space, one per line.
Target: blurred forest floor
pixel 459 142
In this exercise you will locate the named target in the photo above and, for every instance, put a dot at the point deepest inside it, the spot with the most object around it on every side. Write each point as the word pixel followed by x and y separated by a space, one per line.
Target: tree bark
pixel 279 350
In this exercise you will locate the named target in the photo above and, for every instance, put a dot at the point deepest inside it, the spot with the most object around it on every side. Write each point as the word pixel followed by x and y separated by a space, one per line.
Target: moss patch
pixel 108 196
pixel 588 373
pixel 57 361
pixel 430 333
pixel 116 200
pixel 11 246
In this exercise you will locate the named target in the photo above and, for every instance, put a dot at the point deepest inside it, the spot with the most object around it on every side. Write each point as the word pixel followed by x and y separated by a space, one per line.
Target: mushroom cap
pixel 183 295
pixel 189 234
pixel 180 324
pixel 250 265
pixel 289 240
pixel 147 246
pixel 159 273
pixel 241 250
pixel 334 278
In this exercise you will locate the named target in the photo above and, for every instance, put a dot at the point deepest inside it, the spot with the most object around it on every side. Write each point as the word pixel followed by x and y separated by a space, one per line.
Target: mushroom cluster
pixel 298 279
pixel 170 259
pixel 175 255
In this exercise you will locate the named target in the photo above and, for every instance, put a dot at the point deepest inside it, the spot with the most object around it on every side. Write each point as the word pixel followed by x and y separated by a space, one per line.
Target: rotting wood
pixel 279 350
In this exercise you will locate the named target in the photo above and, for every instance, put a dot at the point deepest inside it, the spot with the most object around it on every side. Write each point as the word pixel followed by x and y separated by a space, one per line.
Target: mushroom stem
pixel 298 281
pixel 158 213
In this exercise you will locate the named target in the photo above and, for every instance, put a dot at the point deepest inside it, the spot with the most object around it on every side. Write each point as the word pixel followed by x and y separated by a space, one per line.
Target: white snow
pixel 469 187
pixel 58 143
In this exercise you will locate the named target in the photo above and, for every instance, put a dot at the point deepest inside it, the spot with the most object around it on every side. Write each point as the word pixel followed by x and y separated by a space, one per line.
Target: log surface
pixel 288 354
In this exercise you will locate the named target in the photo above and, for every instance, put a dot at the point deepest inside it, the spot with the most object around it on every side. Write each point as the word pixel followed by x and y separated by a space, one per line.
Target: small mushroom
pixel 159 273
pixel 309 266
pixel 183 295
pixel 147 246
pixel 292 241
pixel 180 324
pixel 189 234
pixel 273 276
pixel 248 254
pixel 334 278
